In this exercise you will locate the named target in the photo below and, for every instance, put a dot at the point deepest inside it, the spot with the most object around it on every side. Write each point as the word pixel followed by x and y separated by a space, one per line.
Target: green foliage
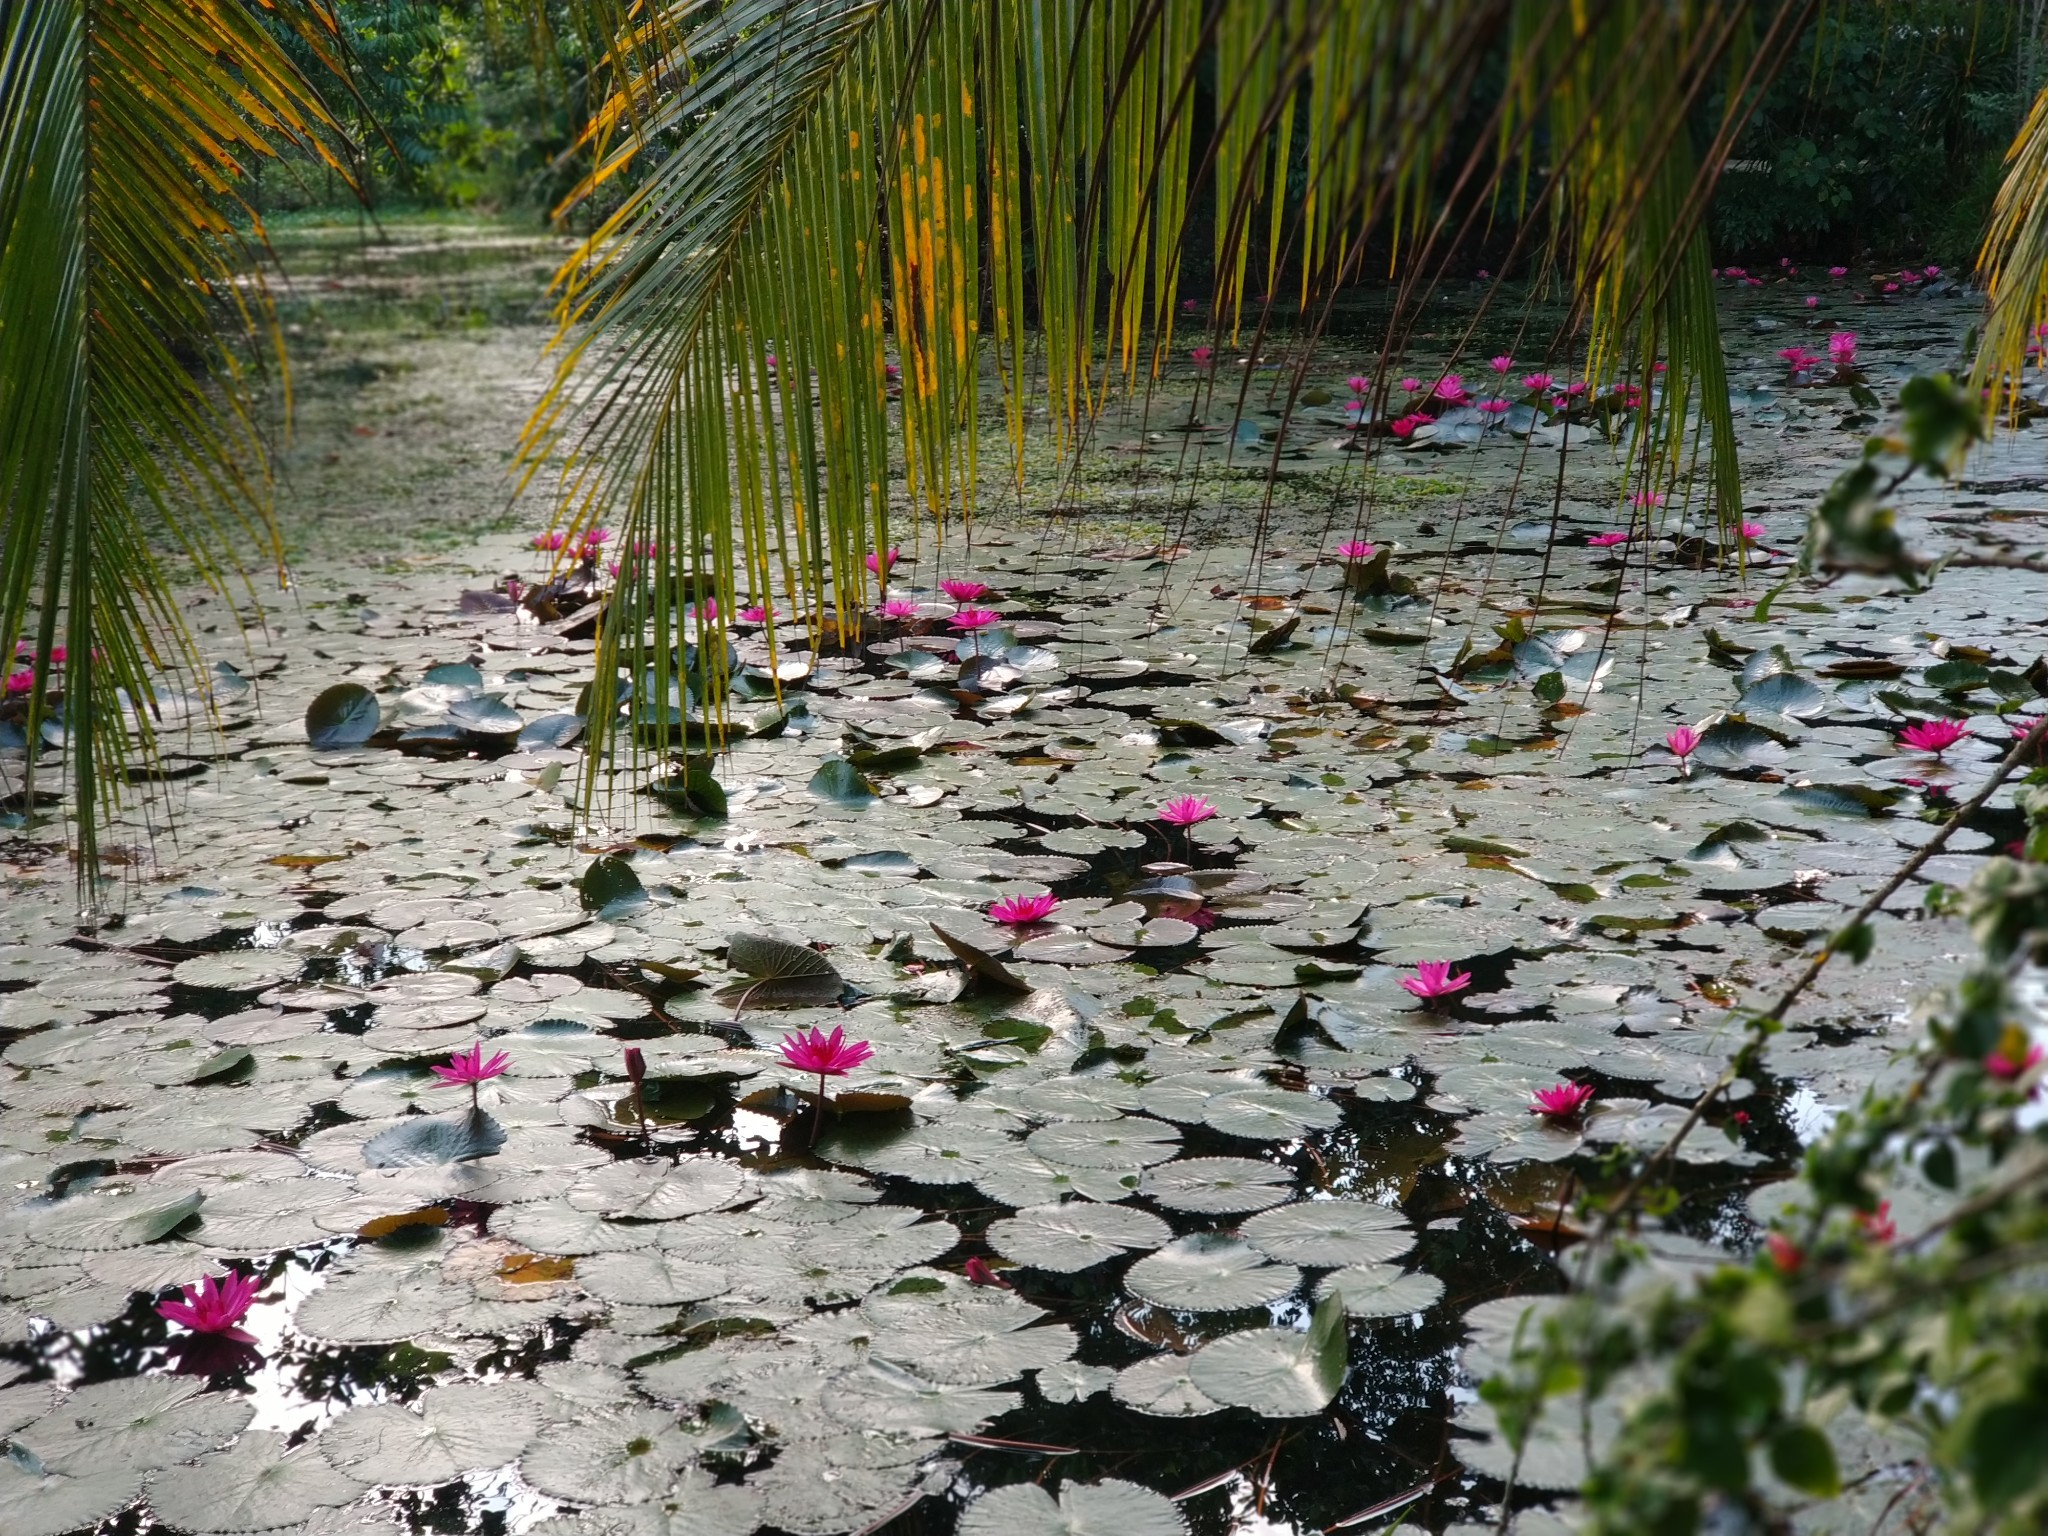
pixel 1883 114
pixel 1743 1393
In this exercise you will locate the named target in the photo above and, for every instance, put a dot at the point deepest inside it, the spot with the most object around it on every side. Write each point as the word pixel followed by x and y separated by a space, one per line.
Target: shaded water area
pixel 1174 1116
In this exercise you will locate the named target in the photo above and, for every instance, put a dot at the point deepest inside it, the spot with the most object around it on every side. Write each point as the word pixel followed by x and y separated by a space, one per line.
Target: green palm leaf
pixel 127 426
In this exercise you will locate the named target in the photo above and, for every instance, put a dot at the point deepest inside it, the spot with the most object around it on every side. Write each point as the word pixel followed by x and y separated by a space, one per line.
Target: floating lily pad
pixel 1380 1290
pixel 1319 1233
pixel 1065 1239
pixel 1131 1142
pixel 1209 1272
pixel 1108 1508
pixel 1277 1372
pixel 1216 1186
pixel 1162 1388
pixel 460 1428
pixel 1269 1114
pixel 421 1141
pixel 342 717
pixel 260 1483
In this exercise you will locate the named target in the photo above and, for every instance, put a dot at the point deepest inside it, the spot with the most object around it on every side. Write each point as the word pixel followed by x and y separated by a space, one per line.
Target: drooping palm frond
pixel 2014 267
pixel 826 182
pixel 127 419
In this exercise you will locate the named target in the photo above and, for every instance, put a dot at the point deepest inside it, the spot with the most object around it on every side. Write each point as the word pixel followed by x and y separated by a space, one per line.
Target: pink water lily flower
pixel 1202 356
pixel 1405 426
pixel 1190 306
pixel 20 682
pixel 1878 1225
pixel 1607 540
pixel 1356 549
pixel 880 564
pixel 963 591
pixel 2006 1070
pixel 1537 382
pixel 469 1068
pixel 1749 533
pixel 1842 348
pixel 1433 978
pixel 830 1055
pixel 705 611
pixel 1186 811
pixel 1411 385
pixel 1838 271
pixel 978 1273
pixel 898 609
pixel 974 619
pixel 1023 909
pixel 1359 384
pixel 1931 271
pixel 1564 1102
pixel 1501 364
pixel 214 1305
pixel 1935 736
pixel 754 614
pixel 1683 742
pixel 1450 389
pixel 550 541
pixel 595 537
pixel 1649 498
pixel 1812 302
pixel 1494 407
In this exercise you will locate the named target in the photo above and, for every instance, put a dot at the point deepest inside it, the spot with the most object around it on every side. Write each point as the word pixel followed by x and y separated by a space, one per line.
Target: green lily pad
pixel 260 1483
pixel 1216 1186
pixel 1380 1290
pixel 1277 1372
pixel 421 1141
pixel 1108 1508
pixel 341 718
pixel 1209 1272
pixel 1320 1233
pixel 1065 1239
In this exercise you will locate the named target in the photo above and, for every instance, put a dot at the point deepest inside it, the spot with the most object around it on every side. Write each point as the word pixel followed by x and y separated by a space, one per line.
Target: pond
pixel 1165 1207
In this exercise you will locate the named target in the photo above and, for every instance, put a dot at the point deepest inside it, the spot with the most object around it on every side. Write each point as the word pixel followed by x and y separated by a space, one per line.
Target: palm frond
pixel 127 418
pixel 2013 265
pixel 823 182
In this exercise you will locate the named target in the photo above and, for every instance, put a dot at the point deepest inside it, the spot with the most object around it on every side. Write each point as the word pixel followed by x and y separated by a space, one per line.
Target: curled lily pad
pixel 784 975
pixel 1065 1239
pixel 1209 1272
pixel 1108 1508
pixel 341 717
pixel 1276 1371
pixel 102 1220
pixel 1319 1233
pixel 421 1141
pixel 1216 1186
pixel 485 715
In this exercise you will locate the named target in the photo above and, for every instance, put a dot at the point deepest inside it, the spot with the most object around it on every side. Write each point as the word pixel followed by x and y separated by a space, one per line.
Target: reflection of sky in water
pixel 1808 1116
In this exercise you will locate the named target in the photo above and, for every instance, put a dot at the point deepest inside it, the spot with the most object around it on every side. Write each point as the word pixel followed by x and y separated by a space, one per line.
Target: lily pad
pixel 1131 1142
pixel 1380 1290
pixel 1108 1508
pixel 1209 1272
pixel 260 1483
pixel 1217 1186
pixel 1065 1239
pixel 1269 1114
pixel 422 1141
pixel 342 717
pixel 1277 1372
pixel 460 1428
pixel 1319 1233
